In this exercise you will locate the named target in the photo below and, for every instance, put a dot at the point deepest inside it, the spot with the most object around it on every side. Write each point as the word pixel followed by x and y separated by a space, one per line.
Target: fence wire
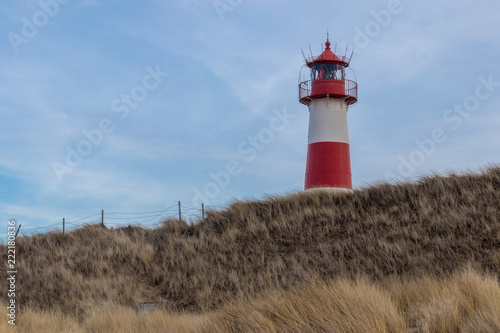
pixel 148 219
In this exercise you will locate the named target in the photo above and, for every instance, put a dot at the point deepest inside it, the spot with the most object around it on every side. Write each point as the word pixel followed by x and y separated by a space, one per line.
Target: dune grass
pixel 385 241
pixel 466 302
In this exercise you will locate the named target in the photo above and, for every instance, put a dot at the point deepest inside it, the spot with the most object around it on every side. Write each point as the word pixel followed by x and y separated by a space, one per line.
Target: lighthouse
pixel 328 94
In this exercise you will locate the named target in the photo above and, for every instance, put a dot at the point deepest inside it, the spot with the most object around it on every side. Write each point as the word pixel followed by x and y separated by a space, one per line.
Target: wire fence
pixel 149 219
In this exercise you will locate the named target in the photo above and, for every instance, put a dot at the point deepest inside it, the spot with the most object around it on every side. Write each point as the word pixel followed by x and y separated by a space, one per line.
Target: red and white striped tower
pixel 328 95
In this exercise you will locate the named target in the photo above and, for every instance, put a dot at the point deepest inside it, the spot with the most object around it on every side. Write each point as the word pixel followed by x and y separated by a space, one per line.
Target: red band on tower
pixel 328 165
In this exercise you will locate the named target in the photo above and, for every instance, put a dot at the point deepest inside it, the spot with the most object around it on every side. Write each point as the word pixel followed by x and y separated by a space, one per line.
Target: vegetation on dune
pixel 283 251
pixel 466 302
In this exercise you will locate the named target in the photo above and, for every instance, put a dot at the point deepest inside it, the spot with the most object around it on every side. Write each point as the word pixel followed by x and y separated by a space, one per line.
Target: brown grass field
pixel 410 257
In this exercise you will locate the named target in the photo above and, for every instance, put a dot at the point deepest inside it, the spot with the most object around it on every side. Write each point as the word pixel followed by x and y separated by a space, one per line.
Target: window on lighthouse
pixel 327 71
pixel 339 74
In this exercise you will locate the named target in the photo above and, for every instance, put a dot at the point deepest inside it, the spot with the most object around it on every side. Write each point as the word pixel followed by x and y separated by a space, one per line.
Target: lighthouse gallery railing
pixel 351 89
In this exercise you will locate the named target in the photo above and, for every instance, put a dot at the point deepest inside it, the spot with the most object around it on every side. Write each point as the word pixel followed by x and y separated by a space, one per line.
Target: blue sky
pixel 131 106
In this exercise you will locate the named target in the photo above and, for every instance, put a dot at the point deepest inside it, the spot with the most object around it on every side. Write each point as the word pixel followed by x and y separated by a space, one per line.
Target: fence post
pixel 102 217
pixel 63 225
pixel 18 228
pixel 203 211
pixel 180 211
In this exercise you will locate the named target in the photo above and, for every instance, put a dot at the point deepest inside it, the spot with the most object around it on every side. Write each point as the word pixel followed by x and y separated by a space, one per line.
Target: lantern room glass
pixel 327 71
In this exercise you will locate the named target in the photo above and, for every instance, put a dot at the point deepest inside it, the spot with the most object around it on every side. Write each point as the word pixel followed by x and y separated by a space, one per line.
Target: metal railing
pixel 351 89
pixel 304 89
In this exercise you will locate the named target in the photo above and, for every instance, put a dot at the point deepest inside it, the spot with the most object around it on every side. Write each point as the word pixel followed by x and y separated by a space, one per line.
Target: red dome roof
pixel 327 56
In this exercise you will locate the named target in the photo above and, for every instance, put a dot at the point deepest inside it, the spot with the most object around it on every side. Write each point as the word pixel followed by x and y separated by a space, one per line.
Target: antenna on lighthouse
pixel 303 55
pixel 352 53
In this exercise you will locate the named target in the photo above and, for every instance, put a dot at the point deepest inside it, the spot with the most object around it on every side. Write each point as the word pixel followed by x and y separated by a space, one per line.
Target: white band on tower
pixel 328 121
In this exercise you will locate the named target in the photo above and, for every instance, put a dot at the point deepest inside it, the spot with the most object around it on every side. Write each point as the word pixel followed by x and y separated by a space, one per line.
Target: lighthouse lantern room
pixel 328 94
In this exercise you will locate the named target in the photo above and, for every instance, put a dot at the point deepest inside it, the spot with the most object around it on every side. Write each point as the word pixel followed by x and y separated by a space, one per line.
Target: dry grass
pixel 379 241
pixel 466 302
pixel 338 306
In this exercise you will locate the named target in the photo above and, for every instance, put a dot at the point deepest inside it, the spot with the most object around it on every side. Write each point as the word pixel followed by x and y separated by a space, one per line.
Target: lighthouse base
pixel 338 190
